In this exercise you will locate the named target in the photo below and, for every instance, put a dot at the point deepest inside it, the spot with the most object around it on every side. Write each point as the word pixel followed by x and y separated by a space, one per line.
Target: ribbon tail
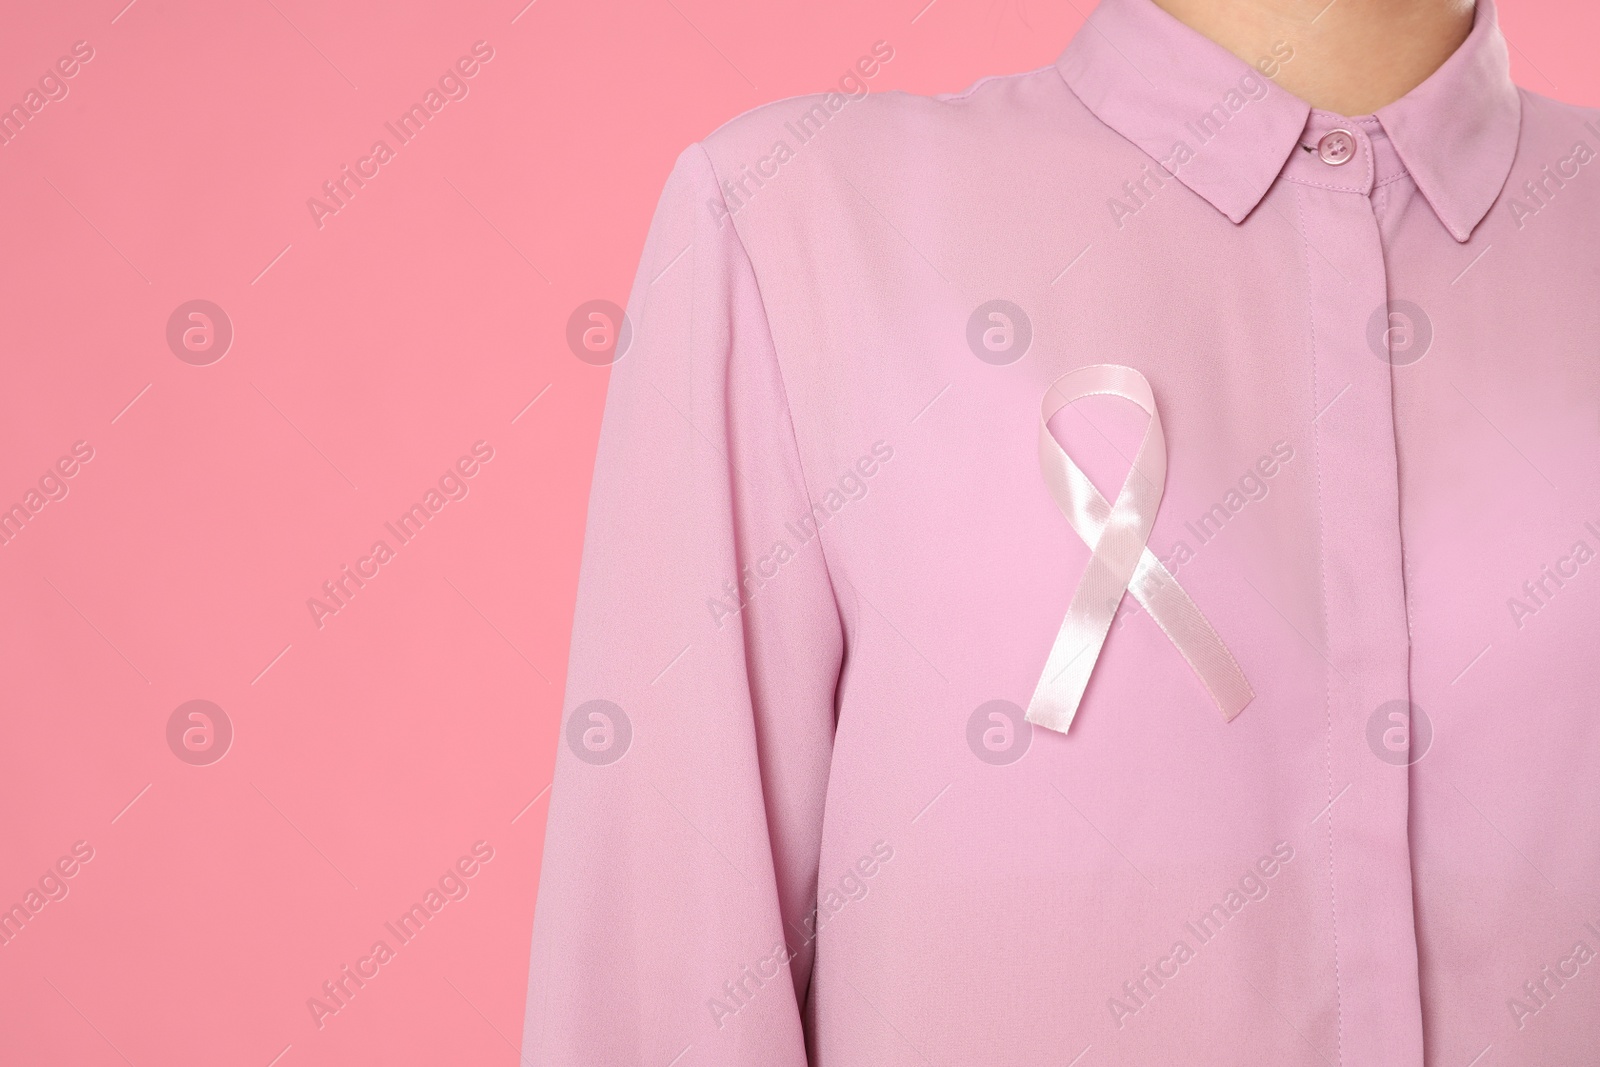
pixel 1060 690
pixel 1076 648
pixel 1159 593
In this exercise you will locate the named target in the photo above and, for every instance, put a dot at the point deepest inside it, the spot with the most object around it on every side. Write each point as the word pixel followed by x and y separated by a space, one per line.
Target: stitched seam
pixel 950 98
pixel 1322 564
pixel 783 386
pixel 1371 165
pixel 1325 185
pixel 803 1004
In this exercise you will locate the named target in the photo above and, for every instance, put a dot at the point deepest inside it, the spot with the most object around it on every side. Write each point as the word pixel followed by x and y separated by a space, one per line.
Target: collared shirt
pixel 798 814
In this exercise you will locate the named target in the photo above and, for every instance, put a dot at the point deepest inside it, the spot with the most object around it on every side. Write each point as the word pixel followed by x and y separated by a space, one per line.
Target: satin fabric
pixel 1120 560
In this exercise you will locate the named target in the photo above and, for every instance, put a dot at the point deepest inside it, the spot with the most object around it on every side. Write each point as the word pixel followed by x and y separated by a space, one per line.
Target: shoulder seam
pixel 783 384
pixel 981 82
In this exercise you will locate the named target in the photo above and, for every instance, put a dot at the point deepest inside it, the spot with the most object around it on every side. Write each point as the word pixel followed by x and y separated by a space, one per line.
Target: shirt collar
pixel 1226 130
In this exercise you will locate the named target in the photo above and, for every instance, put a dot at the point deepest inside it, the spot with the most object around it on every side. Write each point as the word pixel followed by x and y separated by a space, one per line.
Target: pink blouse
pixel 811 806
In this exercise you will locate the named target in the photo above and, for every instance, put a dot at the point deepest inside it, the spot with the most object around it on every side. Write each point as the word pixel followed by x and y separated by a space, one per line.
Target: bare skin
pixel 1350 57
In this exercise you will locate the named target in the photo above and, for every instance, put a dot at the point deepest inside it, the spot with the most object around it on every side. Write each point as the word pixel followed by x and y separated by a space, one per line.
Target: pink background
pixel 369 354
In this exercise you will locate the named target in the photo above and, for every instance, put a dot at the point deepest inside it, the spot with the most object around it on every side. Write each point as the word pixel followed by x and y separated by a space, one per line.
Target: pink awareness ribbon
pixel 1119 559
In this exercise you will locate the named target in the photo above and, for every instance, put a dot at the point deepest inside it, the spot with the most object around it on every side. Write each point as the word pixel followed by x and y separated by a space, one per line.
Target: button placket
pixel 1367 640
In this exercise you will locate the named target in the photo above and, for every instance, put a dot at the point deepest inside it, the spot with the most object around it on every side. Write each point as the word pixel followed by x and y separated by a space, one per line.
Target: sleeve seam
pixel 783 385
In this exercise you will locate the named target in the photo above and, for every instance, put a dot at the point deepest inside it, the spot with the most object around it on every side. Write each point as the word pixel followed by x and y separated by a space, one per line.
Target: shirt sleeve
pixel 680 862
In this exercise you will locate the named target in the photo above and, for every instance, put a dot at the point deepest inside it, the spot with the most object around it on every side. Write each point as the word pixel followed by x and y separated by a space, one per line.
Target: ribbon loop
pixel 1120 560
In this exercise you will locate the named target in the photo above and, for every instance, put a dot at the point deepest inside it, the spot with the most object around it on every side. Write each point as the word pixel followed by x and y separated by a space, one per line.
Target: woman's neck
pixel 1349 56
